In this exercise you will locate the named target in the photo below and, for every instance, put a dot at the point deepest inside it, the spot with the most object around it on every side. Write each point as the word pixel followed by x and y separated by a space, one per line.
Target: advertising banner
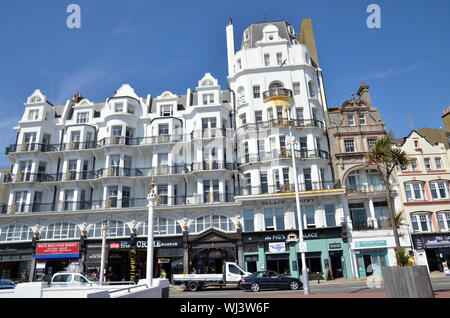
pixel 57 250
pixel 277 247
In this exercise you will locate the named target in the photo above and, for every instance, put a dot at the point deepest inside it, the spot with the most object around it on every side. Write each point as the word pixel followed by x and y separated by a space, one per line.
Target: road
pixel 351 288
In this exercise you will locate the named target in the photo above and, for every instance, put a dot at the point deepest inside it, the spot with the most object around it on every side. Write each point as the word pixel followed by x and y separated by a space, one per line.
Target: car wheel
pixel 293 285
pixel 255 287
pixel 193 287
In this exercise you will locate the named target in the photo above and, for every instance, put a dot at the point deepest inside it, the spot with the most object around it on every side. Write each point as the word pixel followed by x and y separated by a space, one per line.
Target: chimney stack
pixel 364 95
pixel 446 118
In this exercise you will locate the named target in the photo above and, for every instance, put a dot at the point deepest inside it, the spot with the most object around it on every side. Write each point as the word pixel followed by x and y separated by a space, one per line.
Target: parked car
pixel 270 280
pixel 7 283
pixel 72 280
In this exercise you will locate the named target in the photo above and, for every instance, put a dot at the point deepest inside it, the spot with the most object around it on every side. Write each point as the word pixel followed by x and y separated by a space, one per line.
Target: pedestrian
pixel 163 274
pixel 109 274
pixel 193 270
pixel 411 260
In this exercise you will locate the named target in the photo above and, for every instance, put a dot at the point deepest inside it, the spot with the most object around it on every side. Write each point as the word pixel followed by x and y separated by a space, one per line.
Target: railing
pixel 280 92
pixel 115 203
pixel 284 153
pixel 287 188
pixel 282 122
pixel 381 224
pixel 365 188
pixel 121 140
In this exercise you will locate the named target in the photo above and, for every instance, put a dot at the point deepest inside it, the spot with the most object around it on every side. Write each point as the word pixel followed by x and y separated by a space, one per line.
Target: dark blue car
pixel 6 283
pixel 270 280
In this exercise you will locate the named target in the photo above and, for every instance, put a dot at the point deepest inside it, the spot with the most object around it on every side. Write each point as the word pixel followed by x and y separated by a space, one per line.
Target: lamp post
pixel 151 197
pixel 102 261
pixel 302 245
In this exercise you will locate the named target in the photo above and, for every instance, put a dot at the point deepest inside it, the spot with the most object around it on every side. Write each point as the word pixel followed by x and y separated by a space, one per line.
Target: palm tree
pixel 386 159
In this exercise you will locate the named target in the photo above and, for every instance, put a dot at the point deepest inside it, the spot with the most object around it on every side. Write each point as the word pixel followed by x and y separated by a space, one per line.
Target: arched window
pixel 115 229
pixel 275 85
pixel 220 222
pixel 15 233
pixel 60 230
pixel 241 95
pixel 161 226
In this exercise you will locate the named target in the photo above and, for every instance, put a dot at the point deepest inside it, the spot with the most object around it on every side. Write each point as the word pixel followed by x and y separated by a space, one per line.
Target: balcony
pixel 365 188
pixel 280 123
pixel 115 203
pixel 284 153
pixel 287 188
pixel 279 92
pixel 370 224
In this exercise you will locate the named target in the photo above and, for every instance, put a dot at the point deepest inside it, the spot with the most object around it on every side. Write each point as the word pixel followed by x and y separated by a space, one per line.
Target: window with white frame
pixel 208 99
pixel 270 113
pixel 438 163
pixel 15 232
pixel 241 95
pixel 351 120
pixel 220 222
pixel 371 142
pixel 349 145
pixel 274 219
pixel 296 88
pixel 439 190
pixel 163 129
pixel 82 118
pixel 427 163
pixel 266 59
pixel 118 107
pixel 249 221
pixel 443 219
pixel 330 214
pixel 279 59
pixel 420 222
pixel 248 182
pixel 243 119
pixel 20 200
pixel 362 119
pixel 414 166
pixel 161 226
pixel 33 114
pixel 414 191
pixel 258 116
pixel 256 91
pixel 60 230
pixel 239 65
pixel 118 228
pixel 166 110
pixel 130 108
pixel 309 216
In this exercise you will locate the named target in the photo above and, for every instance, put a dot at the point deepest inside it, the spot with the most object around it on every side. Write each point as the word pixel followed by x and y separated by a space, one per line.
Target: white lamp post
pixel 302 245
pixel 102 261
pixel 151 197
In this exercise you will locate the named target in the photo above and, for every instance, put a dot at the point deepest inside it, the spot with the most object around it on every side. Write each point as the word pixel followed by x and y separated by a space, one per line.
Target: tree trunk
pixel 391 213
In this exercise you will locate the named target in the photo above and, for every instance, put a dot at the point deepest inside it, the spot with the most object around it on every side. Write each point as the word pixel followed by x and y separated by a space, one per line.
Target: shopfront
pixel 129 262
pixel 15 261
pixel 208 252
pixel 436 247
pixel 370 255
pixel 279 251
pixel 52 258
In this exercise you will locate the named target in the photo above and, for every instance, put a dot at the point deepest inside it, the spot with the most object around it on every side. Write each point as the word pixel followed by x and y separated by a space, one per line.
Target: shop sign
pixel 438 241
pixel 158 243
pixel 122 245
pixel 308 234
pixel 277 247
pixel 57 250
pixel 362 244
pixel 335 246
pixel 163 260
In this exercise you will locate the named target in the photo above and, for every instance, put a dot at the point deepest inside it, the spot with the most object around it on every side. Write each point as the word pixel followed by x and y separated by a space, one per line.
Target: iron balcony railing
pixel 367 225
pixel 365 188
pixel 278 92
pixel 115 203
pixel 283 153
pixel 206 133
pixel 280 123
pixel 287 188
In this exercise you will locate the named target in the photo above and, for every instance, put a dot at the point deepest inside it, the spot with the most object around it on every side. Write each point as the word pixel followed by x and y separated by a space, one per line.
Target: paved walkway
pixel 437 294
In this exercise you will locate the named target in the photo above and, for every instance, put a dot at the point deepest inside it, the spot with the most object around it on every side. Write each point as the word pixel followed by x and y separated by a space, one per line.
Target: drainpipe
pixel 235 139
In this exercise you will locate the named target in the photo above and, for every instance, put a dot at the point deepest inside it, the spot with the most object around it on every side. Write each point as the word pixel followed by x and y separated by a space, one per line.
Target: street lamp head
pixel 152 186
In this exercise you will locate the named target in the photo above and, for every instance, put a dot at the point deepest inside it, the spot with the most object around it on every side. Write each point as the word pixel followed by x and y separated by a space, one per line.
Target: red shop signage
pixel 57 248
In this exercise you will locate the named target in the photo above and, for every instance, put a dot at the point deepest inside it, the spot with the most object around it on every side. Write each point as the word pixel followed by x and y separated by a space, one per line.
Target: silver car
pixel 73 280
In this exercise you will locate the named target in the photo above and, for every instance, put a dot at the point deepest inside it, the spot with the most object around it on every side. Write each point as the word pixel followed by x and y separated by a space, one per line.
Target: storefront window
pixel 15 233
pixel 58 231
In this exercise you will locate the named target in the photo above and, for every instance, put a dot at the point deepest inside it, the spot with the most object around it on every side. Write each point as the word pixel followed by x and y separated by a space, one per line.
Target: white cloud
pixel 391 72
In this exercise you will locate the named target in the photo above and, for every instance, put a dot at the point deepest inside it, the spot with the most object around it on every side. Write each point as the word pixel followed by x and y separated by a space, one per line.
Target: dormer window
pixel 82 118
pixel 208 99
pixel 33 114
pixel 118 107
pixel 166 110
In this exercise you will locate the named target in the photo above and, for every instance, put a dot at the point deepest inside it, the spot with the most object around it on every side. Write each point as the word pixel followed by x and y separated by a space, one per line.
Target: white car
pixel 72 280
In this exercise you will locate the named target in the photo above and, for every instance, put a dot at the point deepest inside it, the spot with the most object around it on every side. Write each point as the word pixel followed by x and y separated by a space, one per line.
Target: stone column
pixel 239 246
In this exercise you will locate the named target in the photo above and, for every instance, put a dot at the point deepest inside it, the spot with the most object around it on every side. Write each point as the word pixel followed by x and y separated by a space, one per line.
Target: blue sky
pixel 168 45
